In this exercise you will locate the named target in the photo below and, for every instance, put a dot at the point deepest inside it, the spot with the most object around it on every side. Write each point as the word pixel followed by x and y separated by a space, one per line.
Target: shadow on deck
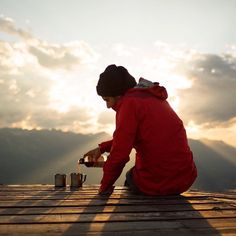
pixel 42 209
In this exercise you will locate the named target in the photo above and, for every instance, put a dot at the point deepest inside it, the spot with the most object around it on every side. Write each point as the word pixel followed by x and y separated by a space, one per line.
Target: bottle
pixel 99 163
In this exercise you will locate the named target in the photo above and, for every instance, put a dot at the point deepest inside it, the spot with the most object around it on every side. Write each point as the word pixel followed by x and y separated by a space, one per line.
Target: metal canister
pixel 60 180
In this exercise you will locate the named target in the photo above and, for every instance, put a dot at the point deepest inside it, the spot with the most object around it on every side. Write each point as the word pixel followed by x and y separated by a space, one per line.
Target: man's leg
pixel 130 183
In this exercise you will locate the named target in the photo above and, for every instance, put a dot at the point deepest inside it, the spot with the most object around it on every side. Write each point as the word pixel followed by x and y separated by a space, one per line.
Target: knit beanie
pixel 115 81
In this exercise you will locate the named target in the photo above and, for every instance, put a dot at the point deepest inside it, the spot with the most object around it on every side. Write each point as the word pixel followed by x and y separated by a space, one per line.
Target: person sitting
pixel 145 121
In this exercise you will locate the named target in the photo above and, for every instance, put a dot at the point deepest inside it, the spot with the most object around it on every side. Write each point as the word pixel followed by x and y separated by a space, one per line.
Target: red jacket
pixel 145 121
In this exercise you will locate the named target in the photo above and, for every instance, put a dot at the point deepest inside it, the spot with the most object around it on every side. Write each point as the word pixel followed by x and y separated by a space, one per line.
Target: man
pixel 145 121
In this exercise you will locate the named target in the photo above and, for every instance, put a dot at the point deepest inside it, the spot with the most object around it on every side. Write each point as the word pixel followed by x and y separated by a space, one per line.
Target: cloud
pixel 52 57
pixel 201 86
pixel 62 56
pixel 74 119
pixel 106 117
pixel 30 71
pixel 21 94
pixel 8 26
pixel 211 98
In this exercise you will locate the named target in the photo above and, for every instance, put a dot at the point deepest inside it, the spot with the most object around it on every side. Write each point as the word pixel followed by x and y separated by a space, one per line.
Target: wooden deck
pixel 44 210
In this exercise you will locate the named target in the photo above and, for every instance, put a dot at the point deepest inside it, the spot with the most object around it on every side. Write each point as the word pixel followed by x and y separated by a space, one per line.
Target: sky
pixel 52 52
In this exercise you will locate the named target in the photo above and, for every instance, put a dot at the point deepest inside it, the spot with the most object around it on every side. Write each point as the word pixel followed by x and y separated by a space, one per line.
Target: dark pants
pixel 130 183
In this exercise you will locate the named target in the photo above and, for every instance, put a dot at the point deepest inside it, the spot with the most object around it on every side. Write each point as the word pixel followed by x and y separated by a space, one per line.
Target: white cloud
pixel 62 56
pixel 8 26
pixel 211 98
pixel 51 58
pixel 106 118
pixel 203 84
pixel 30 73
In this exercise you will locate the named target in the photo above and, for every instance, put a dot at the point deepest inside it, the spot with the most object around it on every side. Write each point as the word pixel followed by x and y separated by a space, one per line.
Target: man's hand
pixel 106 192
pixel 93 155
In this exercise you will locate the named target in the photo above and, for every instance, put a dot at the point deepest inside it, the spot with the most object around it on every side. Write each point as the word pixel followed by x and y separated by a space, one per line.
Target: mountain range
pixel 35 156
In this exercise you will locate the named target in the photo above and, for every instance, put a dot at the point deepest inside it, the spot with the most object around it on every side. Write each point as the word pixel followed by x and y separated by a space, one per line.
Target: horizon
pixel 53 52
pixel 101 132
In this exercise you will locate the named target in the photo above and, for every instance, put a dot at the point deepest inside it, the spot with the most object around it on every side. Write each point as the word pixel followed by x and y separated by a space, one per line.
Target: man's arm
pixel 105 146
pixel 123 141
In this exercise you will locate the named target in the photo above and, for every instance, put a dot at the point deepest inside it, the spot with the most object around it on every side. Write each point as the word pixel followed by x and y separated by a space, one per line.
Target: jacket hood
pixel 147 88
pixel 153 88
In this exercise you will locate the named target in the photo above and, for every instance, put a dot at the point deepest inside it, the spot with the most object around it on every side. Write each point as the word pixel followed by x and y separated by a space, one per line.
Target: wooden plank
pixel 81 229
pixel 116 217
pixel 210 194
pixel 181 227
pixel 101 202
pixel 90 190
pixel 44 186
pixel 115 197
pixel 41 187
pixel 167 232
pixel 94 196
pixel 93 193
pixel 226 200
pixel 108 209
pixel 89 196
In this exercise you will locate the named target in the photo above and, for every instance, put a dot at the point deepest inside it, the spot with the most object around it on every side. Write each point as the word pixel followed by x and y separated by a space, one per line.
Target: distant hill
pixel 35 156
pixel 216 163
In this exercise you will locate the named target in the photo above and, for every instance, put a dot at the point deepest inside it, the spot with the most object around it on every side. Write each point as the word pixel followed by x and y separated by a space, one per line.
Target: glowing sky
pixel 52 52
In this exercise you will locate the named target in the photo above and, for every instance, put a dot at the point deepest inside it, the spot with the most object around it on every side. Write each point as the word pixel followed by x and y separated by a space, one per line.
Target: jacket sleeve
pixel 123 141
pixel 105 146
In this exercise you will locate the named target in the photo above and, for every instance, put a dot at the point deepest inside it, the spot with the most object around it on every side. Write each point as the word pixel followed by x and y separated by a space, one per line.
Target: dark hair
pixel 114 81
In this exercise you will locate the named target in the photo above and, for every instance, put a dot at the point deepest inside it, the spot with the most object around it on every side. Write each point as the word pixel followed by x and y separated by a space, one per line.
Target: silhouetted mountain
pixel 216 163
pixel 36 156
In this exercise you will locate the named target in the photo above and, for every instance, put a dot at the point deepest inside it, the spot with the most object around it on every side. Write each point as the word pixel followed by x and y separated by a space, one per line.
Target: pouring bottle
pixel 99 163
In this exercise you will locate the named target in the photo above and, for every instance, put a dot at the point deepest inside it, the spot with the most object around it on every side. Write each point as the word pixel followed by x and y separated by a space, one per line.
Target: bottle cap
pixel 81 161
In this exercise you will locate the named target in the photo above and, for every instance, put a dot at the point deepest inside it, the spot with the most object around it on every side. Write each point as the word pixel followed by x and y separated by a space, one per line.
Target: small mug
pixel 77 180
pixel 60 180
